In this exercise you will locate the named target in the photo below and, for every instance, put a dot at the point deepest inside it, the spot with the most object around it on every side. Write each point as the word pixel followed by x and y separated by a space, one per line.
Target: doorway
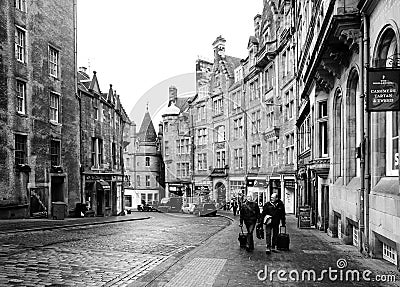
pixel 100 201
pixel 325 207
pixel 57 188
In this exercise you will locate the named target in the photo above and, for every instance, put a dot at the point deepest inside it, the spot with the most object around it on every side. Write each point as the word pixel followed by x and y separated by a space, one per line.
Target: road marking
pixel 200 272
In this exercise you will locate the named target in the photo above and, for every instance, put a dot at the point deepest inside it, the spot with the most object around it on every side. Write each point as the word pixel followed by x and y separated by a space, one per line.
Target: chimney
pixel 173 94
pixel 257 24
pixel 160 129
pixel 219 48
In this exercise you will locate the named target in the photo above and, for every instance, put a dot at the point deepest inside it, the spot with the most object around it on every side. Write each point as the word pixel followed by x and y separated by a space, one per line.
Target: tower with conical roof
pixel 145 163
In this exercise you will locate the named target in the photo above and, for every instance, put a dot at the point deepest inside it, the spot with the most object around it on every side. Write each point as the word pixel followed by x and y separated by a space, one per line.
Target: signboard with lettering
pixel 383 89
pixel 304 217
pixel 257 182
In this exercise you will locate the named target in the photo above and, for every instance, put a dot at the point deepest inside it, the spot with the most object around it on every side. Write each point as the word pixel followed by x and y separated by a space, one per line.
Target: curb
pixel 71 225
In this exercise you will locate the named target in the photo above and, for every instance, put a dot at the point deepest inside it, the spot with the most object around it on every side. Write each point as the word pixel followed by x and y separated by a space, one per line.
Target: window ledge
pixel 22 114
pixel 54 123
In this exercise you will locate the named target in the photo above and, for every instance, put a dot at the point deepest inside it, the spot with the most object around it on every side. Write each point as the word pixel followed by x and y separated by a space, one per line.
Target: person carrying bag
pixel 249 214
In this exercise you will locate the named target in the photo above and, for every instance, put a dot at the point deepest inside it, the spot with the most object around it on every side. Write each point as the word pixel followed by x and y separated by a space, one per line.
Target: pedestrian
pixel 249 214
pixel 273 213
pixel 235 207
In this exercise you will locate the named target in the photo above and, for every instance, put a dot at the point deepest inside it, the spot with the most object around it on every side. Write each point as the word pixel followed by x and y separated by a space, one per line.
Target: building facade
pixel 348 156
pixel 39 145
pixel 144 164
pixel 103 121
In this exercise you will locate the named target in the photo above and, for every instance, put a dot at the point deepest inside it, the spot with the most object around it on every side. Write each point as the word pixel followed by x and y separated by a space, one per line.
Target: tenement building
pixel 102 141
pixel 144 164
pixel 347 140
pixel 39 142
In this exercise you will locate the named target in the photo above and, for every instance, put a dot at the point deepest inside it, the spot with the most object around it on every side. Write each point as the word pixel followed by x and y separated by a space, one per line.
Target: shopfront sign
pixel 304 217
pixel 383 89
pixel 94 177
pixel 256 182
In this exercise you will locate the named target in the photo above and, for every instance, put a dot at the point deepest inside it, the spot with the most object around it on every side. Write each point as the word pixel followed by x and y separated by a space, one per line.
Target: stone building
pixel 348 156
pixel 144 164
pixel 39 143
pixel 103 121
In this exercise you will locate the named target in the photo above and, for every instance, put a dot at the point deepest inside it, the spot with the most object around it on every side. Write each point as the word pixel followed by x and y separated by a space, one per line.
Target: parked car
pixel 206 209
pixel 170 204
pixel 188 208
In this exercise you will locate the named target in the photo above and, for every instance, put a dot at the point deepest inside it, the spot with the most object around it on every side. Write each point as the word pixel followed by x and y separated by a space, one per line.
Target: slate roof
pixel 147 133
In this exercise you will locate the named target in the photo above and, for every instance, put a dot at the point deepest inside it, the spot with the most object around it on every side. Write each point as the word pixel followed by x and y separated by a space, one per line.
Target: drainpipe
pixel 367 177
pixel 362 144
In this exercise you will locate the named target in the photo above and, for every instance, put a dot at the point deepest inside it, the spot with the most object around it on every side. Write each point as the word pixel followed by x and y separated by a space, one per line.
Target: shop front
pixel 258 188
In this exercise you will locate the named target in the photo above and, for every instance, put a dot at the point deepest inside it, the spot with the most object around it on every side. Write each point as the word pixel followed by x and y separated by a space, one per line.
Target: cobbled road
pixel 101 255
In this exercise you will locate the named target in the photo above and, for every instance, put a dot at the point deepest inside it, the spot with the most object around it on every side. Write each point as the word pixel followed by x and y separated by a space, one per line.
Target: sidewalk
pixel 220 261
pixel 8 226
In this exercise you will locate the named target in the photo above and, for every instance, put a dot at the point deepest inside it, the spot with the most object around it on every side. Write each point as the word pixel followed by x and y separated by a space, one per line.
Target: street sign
pixel 383 89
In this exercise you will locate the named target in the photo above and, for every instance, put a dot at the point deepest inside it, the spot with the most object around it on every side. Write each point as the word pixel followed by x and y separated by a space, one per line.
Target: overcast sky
pixel 143 47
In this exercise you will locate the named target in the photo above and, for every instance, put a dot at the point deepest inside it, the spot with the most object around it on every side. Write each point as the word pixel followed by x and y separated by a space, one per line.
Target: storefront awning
pixel 102 184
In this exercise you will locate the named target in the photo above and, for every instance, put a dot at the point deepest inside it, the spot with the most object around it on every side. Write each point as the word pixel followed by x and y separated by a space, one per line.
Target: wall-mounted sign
pixel 383 89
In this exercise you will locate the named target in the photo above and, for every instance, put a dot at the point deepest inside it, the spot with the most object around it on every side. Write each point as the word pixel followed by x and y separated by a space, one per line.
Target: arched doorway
pixel 221 192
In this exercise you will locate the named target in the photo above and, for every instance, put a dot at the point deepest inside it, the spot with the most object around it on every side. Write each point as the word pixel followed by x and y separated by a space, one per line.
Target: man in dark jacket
pixel 274 210
pixel 249 214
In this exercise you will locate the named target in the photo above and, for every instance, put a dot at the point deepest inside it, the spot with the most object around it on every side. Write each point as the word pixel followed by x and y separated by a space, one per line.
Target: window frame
pixel 55 110
pixel 54 62
pixel 20 44
pixel 21 5
pixel 55 157
pixel 20 100
pixel 20 149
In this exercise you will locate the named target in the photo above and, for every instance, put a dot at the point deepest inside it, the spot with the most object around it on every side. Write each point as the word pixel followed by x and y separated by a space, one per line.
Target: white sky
pixel 143 47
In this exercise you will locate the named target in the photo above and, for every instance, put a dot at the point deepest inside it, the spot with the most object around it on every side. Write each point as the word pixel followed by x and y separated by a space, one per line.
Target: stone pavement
pixel 33 224
pixel 220 262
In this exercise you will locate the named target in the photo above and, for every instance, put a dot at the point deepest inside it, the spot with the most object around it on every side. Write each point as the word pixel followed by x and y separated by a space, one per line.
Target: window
pixel 147 180
pixel 389 254
pixel 55 153
pixel 53 62
pixel 238 127
pixel 289 148
pixel 166 148
pixel 289 105
pixel 147 161
pixel 220 134
pixel 238 158
pixel 97 152
pixel 202 161
pixel 201 113
pixel 21 96
pixel 182 169
pixel 254 90
pixel 220 159
pixel 218 105
pixel 95 105
pixel 20 5
pixel 256 155
pixel 182 146
pixel 236 100
pixel 304 135
pixel 272 152
pixel 128 200
pixel 269 78
pixel 392 143
pixel 20 149
pixel 202 136
pixel 20 42
pixel 54 107
pixel 269 116
pixel 256 122
pixel 114 154
pixel 138 180
pixel 322 122
pixel 166 127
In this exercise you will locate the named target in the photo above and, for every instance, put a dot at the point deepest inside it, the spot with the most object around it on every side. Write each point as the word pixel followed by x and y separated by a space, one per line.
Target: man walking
pixel 249 214
pixel 234 207
pixel 273 213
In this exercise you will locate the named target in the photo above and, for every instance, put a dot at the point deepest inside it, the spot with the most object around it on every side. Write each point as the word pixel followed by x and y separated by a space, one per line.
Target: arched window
pixel 353 136
pixel 338 134
pixel 384 126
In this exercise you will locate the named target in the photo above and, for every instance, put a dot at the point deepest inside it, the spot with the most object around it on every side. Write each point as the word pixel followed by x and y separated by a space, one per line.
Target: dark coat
pixel 249 212
pixel 276 210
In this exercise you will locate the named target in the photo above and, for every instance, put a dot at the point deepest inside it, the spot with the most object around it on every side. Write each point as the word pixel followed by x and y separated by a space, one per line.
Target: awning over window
pixel 102 184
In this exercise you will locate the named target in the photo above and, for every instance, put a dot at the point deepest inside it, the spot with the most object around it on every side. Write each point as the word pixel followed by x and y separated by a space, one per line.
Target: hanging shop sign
pixel 383 89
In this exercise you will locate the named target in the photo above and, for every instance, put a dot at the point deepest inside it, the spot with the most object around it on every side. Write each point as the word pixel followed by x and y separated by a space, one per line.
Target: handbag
pixel 260 231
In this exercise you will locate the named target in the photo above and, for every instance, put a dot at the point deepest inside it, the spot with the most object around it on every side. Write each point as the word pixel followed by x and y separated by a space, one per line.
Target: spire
pixel 147 133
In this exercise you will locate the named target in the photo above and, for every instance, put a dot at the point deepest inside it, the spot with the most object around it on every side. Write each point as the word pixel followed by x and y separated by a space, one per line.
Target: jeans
pixel 250 229
pixel 271 231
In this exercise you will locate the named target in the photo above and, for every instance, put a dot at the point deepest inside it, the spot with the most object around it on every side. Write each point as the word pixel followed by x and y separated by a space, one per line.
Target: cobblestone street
pixel 100 255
